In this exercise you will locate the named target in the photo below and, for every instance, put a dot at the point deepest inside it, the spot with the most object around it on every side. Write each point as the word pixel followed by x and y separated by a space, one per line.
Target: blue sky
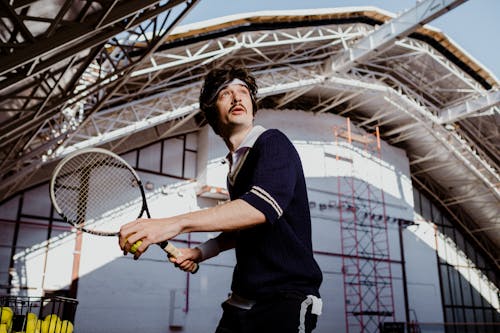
pixel 474 25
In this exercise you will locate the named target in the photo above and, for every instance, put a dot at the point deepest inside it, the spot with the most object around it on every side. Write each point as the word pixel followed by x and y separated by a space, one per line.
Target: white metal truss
pixel 487 102
pixel 49 104
pixel 153 108
pixel 384 36
pixel 422 100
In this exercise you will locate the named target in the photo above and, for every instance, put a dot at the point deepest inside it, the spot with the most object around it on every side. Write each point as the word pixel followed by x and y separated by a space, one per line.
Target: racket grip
pixel 175 252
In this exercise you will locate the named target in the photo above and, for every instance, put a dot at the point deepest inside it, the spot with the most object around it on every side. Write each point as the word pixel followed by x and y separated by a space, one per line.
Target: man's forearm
pixel 234 215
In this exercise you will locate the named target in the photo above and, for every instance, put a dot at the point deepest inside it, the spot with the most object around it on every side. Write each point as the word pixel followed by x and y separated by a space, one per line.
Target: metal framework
pixel 366 259
pixel 384 37
pixel 425 95
pixel 56 74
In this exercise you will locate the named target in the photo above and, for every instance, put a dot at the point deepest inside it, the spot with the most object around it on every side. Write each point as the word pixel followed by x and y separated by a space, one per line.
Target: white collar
pixel 251 137
pixel 237 158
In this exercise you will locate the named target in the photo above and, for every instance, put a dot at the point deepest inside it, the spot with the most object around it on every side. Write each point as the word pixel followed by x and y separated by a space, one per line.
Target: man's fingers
pixel 129 234
pixel 186 266
pixel 173 260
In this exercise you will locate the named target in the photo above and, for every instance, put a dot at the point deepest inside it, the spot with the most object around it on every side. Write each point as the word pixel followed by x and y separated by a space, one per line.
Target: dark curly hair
pixel 213 80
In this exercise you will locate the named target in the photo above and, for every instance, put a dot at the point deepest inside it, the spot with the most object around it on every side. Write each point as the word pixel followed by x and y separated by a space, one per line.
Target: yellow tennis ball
pixel 44 327
pixel 31 326
pixel 7 314
pixel 31 316
pixel 66 327
pixel 51 324
pixel 56 328
pixel 51 317
pixel 135 246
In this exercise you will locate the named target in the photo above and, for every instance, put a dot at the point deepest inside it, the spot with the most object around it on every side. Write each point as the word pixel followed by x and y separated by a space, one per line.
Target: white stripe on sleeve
pixel 260 192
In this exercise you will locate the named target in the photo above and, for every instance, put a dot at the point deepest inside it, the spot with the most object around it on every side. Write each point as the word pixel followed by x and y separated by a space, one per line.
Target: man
pixel 275 286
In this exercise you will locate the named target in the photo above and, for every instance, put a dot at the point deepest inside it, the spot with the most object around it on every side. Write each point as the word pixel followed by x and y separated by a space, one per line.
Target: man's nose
pixel 236 98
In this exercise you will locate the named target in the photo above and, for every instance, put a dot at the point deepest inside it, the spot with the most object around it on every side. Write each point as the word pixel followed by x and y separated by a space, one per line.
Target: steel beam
pixel 472 107
pixel 69 40
pixel 46 126
pixel 385 36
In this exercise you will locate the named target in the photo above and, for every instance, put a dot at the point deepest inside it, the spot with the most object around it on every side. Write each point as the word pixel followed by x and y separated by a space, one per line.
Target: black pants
pixel 280 314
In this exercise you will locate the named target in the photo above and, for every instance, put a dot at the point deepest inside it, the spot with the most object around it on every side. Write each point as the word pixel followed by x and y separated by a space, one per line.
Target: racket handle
pixel 175 252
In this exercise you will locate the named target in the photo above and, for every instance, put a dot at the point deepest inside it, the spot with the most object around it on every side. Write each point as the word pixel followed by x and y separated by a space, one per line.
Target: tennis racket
pixel 97 192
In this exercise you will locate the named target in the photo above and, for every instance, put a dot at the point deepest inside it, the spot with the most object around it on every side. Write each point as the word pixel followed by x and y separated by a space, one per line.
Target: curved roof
pixel 426 95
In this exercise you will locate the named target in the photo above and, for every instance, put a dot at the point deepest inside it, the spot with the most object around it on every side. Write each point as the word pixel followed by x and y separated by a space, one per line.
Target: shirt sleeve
pixel 274 176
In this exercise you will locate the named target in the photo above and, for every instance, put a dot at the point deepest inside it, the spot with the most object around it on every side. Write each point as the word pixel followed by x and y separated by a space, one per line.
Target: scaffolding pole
pixel 366 267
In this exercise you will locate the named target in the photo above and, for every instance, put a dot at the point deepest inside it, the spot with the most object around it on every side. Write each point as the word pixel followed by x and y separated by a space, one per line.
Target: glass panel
pixel 469 318
pixel 480 319
pixel 416 200
pixel 426 208
pixel 451 251
pixel 470 253
pixel 459 240
pixel 496 314
pixel 37 202
pixel 455 287
pixel 480 261
pixel 466 287
pixel 446 221
pixel 436 215
pixel 492 276
pixel 131 158
pixel 190 165
pixel 476 286
pixel 484 287
pixel 173 150
pixel 489 316
pixel 149 158
pixel 31 234
pixel 8 210
pixel 446 285
pixel 459 318
pixel 192 141
pixel 449 318
pixel 6 239
pixel 441 245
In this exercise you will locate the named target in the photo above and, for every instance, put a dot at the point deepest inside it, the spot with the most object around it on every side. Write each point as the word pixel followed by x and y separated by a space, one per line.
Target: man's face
pixel 234 105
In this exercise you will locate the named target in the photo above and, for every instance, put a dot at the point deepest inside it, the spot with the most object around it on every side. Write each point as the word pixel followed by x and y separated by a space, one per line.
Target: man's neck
pixel 234 139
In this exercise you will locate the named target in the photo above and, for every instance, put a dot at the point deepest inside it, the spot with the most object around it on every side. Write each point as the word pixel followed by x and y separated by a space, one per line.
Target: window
pixel 469 285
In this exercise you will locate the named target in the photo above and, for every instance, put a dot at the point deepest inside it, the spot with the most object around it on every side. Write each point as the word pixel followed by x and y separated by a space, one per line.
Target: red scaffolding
pixel 366 262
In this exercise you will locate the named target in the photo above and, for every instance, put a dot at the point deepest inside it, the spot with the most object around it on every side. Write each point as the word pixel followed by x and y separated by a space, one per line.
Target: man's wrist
pixel 209 249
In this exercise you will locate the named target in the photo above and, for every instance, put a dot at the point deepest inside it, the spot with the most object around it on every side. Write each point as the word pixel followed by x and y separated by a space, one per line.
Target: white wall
pixel 422 272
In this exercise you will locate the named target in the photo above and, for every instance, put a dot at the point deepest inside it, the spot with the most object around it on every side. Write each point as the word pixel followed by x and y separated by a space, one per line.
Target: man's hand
pixel 188 259
pixel 148 231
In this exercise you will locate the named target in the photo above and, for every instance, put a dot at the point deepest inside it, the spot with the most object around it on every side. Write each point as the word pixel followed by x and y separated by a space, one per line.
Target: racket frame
pixel 62 163
pixel 165 245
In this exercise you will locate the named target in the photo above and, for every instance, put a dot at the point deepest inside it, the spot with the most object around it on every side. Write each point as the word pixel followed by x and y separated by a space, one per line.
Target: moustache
pixel 237 105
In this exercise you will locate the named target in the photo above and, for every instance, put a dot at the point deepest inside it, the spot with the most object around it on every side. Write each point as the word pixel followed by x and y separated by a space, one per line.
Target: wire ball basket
pixel 37 314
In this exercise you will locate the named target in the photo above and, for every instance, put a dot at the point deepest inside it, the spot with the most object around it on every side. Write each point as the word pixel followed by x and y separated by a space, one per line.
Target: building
pixel 396 127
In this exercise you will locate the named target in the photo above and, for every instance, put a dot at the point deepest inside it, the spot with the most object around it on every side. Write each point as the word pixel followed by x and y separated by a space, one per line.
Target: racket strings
pixel 96 191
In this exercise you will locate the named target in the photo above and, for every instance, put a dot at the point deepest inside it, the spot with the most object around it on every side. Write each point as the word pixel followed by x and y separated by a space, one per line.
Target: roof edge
pixel 293 18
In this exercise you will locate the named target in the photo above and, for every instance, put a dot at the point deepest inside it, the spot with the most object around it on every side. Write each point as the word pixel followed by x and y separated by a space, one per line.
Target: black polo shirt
pixel 275 256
